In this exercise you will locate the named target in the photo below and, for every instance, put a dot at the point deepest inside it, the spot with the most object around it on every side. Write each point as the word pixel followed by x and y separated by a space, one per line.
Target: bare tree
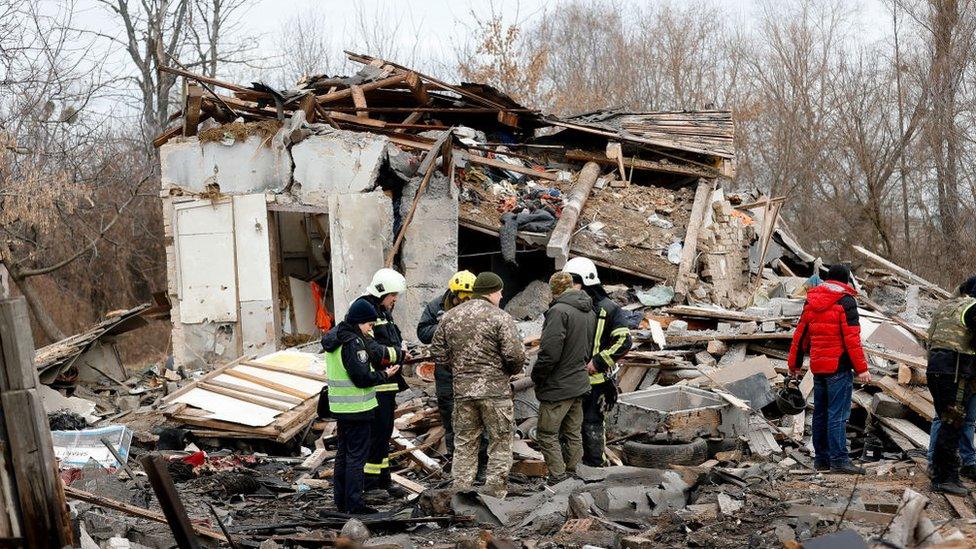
pixel 52 161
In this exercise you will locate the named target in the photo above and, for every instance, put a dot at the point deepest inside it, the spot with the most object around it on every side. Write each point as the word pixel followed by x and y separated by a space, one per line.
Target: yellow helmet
pixel 462 281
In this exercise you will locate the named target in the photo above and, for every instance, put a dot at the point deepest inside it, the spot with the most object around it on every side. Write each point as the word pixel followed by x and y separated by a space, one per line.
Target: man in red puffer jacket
pixel 830 332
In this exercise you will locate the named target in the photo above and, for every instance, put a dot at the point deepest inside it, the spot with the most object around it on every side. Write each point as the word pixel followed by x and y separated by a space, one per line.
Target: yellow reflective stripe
pixel 381 322
pixel 372 468
pixel 598 335
pixel 597 378
pixel 386 387
pixel 621 331
pixel 962 314
pixel 391 351
pixel 386 463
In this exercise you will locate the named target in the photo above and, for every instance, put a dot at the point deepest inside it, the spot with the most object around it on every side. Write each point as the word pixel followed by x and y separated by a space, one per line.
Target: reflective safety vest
pixel 607 354
pixel 344 396
pixel 948 328
pixel 392 354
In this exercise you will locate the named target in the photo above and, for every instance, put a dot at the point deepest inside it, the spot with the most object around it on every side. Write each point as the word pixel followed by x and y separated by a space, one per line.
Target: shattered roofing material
pixel 702 132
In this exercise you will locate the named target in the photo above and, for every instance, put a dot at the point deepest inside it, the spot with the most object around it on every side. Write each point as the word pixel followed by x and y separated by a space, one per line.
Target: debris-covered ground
pixel 700 452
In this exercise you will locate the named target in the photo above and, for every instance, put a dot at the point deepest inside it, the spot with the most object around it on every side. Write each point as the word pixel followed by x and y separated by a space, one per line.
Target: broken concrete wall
pixel 725 243
pixel 336 162
pixel 359 226
pixel 429 250
pixel 236 167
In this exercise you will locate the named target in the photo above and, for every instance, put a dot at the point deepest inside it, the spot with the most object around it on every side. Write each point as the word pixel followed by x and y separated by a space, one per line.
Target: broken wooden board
pixel 906 429
pixel 959 504
pixel 916 398
pixel 834 513
pixel 235 412
pixel 904 273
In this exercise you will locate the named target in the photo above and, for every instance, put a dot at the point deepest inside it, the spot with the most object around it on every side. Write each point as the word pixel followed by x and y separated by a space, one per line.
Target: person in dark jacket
pixel 950 374
pixel 610 343
pixel 385 347
pixel 352 401
pixel 458 291
pixel 830 332
pixel 560 376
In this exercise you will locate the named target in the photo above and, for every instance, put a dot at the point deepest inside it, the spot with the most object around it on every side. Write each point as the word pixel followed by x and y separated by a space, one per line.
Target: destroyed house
pixel 275 201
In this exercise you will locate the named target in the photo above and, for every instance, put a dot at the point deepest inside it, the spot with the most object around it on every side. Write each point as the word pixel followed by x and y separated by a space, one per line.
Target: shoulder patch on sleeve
pixel 362 356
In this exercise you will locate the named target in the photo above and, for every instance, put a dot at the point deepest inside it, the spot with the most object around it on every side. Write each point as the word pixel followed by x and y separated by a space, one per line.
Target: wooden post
pixel 904 273
pixel 169 500
pixel 562 233
pixel 703 197
pixel 31 481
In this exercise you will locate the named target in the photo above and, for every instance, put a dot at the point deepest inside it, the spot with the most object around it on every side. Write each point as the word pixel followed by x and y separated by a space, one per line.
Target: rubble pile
pixel 701 449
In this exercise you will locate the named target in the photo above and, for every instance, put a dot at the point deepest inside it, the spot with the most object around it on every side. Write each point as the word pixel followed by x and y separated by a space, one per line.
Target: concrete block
pixel 717 347
pixel 768 327
pixel 677 327
pixel 239 168
pixel 787 307
pixel 883 405
pixel 360 228
pixel 429 250
pixel 530 303
pixel 338 162
pixel 703 358
pixel 748 327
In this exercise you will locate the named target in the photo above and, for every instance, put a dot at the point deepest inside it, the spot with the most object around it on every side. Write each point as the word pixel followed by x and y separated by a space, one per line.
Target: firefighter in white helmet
pixel 610 344
pixel 386 348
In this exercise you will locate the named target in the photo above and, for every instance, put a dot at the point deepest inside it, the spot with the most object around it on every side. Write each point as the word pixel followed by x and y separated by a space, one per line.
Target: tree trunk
pixel 43 318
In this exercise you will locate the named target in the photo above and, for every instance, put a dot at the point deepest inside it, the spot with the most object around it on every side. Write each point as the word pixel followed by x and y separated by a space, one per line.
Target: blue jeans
pixel 967 452
pixel 831 410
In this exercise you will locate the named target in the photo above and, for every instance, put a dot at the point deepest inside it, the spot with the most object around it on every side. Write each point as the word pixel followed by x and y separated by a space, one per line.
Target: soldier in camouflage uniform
pixel 480 344
pixel 951 374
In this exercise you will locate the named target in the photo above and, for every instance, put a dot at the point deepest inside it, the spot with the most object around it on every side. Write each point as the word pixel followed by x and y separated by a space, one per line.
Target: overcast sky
pixel 429 30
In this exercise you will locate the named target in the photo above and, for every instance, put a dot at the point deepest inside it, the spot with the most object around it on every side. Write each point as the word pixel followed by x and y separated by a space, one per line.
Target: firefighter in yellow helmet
pixel 459 290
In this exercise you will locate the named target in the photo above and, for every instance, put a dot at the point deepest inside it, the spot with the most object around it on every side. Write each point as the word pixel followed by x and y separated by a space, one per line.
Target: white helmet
pixel 386 281
pixel 583 268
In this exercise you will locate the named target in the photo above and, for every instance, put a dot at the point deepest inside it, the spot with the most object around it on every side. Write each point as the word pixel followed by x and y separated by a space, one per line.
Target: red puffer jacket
pixel 829 331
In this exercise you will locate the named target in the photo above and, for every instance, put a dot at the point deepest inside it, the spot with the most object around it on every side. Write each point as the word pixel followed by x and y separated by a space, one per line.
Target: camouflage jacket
pixel 480 344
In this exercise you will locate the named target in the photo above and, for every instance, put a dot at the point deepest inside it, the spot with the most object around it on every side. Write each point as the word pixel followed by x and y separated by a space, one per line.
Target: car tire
pixel 659 455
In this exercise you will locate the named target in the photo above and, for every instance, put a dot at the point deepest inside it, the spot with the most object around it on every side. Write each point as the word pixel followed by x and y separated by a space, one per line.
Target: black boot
pixel 950 487
pixel 968 472
pixel 848 469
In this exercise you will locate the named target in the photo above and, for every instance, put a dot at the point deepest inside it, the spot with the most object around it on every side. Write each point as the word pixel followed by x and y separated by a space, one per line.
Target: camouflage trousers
pixel 496 417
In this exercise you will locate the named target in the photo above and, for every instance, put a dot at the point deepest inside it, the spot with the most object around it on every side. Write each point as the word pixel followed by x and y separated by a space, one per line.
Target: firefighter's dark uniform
pixel 352 401
pixel 385 349
pixel 611 342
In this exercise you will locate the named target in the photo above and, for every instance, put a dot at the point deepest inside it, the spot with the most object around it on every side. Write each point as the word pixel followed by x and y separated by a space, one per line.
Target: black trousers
pixel 377 467
pixel 944 389
pixel 594 438
pixel 354 439
pixel 445 407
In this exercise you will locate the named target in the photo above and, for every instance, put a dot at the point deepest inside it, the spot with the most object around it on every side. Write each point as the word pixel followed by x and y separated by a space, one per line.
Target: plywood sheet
pixel 306 385
pixel 296 360
pixel 230 409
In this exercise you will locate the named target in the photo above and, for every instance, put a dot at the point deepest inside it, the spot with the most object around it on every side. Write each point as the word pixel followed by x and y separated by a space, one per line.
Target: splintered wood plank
pixel 907 429
pixel 914 398
pixel 630 379
pixel 407 484
pixel 961 507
